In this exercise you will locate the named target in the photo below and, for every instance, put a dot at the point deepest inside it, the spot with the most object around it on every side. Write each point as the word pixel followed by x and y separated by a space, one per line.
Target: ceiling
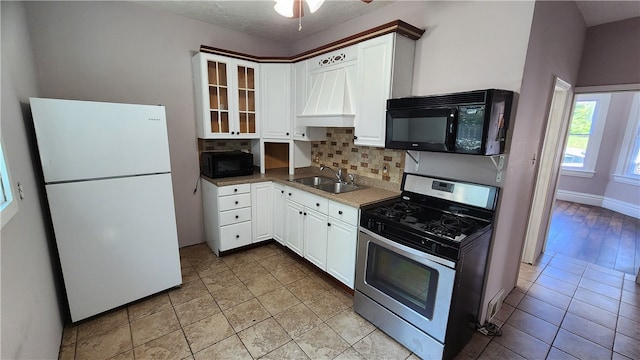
pixel 260 19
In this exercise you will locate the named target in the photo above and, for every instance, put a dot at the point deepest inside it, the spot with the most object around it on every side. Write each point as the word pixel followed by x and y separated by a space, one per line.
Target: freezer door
pixel 89 140
pixel 116 239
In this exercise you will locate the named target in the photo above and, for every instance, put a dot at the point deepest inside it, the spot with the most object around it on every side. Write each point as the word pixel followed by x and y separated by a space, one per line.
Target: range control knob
pixel 371 223
pixel 380 226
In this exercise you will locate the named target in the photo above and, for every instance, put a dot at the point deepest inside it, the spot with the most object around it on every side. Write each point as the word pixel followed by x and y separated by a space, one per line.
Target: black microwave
pixel 473 122
pixel 226 164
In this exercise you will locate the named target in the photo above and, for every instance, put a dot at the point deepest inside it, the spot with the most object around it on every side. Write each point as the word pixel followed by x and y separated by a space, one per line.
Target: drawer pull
pixel 339 212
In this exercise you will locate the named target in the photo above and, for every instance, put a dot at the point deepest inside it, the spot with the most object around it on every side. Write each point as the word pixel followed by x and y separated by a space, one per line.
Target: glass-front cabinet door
pixel 225 97
pixel 246 100
pixel 218 97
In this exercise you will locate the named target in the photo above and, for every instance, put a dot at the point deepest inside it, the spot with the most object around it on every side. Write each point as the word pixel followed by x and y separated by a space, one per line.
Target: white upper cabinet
pixel 300 90
pixel 226 98
pixel 275 101
pixel 385 70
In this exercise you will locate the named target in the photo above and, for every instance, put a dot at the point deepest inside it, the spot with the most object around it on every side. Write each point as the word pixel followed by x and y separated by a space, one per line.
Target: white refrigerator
pixel 108 182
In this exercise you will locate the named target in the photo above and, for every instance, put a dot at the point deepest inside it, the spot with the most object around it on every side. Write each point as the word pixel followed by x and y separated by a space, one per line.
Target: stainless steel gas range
pixel 421 263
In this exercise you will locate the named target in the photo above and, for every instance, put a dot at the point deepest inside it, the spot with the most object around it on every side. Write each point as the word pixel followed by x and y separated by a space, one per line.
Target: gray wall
pixel 611 54
pixel 555 45
pixel 31 317
pixel 126 52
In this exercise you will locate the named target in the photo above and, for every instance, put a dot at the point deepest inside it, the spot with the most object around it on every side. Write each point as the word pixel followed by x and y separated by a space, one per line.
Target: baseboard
pixel 580 198
pixel 622 207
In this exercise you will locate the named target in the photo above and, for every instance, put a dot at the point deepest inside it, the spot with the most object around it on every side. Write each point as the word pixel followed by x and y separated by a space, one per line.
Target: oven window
pixel 403 279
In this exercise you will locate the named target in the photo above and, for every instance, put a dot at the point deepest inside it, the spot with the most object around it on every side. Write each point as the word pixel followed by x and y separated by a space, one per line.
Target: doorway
pixel 591 192
pixel 548 171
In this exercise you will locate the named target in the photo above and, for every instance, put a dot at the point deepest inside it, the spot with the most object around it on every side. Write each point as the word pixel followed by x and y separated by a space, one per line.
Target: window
pixel 585 134
pixel 8 205
pixel 628 167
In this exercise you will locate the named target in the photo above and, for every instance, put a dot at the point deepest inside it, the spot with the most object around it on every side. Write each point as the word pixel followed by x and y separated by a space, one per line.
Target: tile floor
pixel 267 303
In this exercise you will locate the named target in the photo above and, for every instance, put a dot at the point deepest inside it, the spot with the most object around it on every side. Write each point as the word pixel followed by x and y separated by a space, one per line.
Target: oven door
pixel 414 285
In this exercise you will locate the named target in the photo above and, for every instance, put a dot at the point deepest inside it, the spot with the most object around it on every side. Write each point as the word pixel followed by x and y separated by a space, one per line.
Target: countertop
pixel 369 194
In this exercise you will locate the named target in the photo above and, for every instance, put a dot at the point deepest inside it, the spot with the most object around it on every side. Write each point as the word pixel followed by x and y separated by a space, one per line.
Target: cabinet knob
pixel 305 214
pixel 300 212
pixel 235 190
pixel 317 204
pixel 237 236
pixel 281 191
pixel 339 212
pixel 302 134
pixel 236 203
pixel 233 132
pixel 289 194
pixel 328 224
pixel 237 217
pixel 287 134
pixel 355 137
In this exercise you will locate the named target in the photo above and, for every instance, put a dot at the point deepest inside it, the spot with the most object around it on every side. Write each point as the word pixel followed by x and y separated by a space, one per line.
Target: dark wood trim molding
pixel 397 26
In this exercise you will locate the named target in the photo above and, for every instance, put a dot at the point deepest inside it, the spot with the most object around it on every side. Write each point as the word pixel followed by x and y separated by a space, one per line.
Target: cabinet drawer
pixel 234 236
pixel 307 199
pixel 316 203
pixel 234 201
pixel 343 212
pixel 235 216
pixel 234 189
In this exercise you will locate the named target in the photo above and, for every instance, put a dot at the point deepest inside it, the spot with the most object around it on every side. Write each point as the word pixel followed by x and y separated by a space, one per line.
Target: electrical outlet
pixel 495 304
pixel 385 168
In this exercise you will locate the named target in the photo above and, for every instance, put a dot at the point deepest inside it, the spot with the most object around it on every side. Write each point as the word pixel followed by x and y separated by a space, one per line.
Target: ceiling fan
pixel 294 8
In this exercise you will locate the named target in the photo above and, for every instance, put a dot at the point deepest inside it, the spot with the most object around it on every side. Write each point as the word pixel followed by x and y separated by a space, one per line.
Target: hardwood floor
pixel 595 235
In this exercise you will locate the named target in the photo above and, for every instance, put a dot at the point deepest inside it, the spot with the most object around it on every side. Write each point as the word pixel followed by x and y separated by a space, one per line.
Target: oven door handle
pixel 406 249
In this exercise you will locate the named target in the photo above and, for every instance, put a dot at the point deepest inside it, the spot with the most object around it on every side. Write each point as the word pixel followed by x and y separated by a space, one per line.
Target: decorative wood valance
pixel 397 26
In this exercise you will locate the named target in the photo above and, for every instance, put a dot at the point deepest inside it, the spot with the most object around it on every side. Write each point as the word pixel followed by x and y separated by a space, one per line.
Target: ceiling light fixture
pixel 293 8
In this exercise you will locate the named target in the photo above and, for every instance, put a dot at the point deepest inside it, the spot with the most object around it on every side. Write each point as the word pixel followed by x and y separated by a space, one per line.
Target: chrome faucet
pixel 338 173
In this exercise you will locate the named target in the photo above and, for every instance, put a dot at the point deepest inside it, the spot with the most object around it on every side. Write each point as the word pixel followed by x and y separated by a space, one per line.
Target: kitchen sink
pixel 314 181
pixel 327 185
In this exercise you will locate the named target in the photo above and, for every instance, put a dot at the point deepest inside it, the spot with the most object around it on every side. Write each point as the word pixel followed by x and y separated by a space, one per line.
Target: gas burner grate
pixel 449 225
pixel 398 210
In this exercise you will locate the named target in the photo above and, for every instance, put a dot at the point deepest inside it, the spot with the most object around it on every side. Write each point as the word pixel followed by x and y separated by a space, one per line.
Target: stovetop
pixel 432 221
pixel 431 225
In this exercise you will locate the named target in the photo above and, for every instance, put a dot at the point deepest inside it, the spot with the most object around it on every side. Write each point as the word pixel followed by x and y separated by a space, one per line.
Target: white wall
pixel 31 317
pixel 125 52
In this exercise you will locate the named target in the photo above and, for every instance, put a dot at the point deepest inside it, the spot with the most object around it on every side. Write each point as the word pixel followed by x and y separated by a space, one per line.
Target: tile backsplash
pixel 371 162
pixel 223 145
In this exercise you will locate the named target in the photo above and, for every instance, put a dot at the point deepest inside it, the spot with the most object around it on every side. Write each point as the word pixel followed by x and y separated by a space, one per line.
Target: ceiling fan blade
pixel 298 9
pixel 366 1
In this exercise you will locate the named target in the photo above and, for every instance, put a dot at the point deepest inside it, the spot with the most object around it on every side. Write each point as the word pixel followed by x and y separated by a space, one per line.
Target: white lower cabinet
pixel 341 251
pixel 322 231
pixel 227 216
pixel 278 213
pixel 294 227
pixel 315 238
pixel 261 195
